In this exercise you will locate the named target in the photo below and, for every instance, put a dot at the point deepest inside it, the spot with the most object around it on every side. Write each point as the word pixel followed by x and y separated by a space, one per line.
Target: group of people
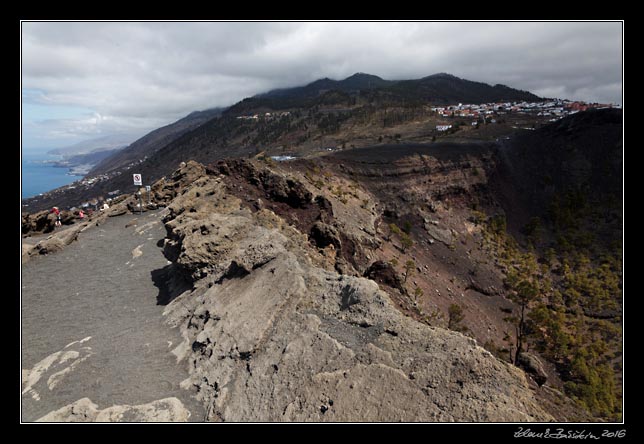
pixel 81 213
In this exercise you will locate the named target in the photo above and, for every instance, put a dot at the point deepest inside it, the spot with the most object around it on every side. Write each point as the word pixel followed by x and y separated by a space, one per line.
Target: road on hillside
pixel 91 326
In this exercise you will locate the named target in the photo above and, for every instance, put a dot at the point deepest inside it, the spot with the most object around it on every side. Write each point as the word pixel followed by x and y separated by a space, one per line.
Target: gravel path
pixel 91 326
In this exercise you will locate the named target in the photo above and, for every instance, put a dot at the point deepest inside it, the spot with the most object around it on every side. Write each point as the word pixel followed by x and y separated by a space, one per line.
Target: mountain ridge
pixel 440 88
pixel 358 80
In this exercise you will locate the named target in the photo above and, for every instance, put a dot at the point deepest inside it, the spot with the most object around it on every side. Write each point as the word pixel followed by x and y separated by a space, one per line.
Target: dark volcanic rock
pixel 275 186
pixel 188 172
pixel 324 203
pixel 323 235
pixel 67 218
pixel 44 221
pixel 40 222
pixel 286 190
pixel 384 273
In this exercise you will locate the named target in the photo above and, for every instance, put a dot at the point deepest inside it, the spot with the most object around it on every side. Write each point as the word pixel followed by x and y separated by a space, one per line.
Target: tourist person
pixel 56 211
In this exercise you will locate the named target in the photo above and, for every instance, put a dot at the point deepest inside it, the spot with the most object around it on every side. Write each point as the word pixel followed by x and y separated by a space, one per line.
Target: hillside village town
pixel 486 112
pixel 265 116
pixel 481 113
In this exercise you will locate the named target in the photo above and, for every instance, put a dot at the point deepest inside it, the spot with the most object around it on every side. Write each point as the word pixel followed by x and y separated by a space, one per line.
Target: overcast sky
pixel 87 80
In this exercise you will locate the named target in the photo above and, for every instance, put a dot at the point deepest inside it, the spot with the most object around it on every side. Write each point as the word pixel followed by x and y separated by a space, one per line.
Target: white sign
pixel 137 179
pixel 147 188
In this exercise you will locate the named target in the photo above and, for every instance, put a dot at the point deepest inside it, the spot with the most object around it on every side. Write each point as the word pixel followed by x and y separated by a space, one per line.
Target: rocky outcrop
pixel 198 244
pixel 384 273
pixel 166 189
pixel 269 335
pixel 329 218
pixel 277 187
pixel 440 234
pixel 43 221
pixel 84 410
pixel 534 367
pixel 323 235
pixel 40 222
pixel 54 242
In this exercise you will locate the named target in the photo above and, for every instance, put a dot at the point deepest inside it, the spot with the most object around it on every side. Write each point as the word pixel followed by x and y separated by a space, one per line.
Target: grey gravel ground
pixel 100 287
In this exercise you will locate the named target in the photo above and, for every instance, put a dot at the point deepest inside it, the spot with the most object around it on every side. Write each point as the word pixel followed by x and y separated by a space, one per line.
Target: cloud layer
pixel 137 76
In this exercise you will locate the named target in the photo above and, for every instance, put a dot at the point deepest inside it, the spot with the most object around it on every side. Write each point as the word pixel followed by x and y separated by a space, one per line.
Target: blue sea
pixel 38 177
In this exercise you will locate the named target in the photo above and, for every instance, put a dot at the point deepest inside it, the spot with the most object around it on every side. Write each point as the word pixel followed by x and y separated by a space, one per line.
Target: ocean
pixel 38 177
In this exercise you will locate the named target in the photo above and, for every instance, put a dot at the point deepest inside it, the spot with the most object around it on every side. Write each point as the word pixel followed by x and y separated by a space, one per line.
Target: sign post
pixel 147 188
pixel 138 181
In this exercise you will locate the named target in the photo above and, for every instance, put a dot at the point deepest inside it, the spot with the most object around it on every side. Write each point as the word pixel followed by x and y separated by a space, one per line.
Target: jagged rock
pixel 384 273
pixel 351 231
pixel 440 234
pixel 60 239
pixel 276 186
pixel 323 235
pixel 286 190
pixel 343 267
pixel 48 246
pixel 67 218
pixel 221 168
pixel 324 204
pixel 278 337
pixel 533 365
pixel 44 221
pixel 199 238
pixel 187 173
pixel 163 192
pixel 40 222
pixel 198 247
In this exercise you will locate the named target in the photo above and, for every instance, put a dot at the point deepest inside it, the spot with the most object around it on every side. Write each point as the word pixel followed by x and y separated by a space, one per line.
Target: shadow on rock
pixel 169 282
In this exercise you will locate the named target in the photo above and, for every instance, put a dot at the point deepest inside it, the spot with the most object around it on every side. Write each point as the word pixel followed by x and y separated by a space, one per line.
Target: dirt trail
pixel 91 326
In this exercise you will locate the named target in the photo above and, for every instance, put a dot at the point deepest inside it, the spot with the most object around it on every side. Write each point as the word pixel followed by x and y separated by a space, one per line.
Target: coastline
pixel 40 175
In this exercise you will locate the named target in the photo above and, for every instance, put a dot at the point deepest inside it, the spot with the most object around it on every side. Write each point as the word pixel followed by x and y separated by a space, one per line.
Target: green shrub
pixel 455 317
